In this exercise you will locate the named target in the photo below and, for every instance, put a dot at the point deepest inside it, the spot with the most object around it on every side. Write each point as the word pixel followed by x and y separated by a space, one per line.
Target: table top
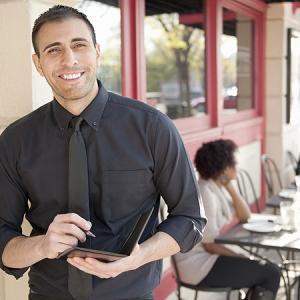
pixel 282 240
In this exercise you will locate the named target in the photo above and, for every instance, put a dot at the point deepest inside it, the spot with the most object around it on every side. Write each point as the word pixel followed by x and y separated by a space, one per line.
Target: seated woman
pixel 213 265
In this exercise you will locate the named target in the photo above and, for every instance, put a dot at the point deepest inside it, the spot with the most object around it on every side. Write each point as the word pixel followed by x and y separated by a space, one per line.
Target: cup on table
pixel 287 214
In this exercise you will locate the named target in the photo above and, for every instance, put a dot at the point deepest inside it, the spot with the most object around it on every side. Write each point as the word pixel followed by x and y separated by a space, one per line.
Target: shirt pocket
pixel 125 191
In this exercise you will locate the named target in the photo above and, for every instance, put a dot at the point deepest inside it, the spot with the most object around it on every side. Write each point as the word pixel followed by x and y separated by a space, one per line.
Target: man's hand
pixel 64 232
pixel 108 269
pixel 160 245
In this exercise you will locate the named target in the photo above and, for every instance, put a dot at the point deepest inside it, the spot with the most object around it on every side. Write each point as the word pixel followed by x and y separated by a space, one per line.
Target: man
pixel 134 156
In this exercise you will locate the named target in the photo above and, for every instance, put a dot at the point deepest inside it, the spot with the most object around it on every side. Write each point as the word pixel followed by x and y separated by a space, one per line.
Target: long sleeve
pixel 174 177
pixel 13 200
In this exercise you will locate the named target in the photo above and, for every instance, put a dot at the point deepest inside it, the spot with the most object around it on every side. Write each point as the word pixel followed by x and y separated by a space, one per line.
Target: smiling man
pixel 130 155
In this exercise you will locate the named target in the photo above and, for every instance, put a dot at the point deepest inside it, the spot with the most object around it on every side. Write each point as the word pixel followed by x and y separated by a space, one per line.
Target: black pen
pixel 89 233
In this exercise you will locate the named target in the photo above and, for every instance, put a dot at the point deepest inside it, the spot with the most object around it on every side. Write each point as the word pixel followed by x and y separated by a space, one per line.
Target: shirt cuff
pixel 187 233
pixel 5 238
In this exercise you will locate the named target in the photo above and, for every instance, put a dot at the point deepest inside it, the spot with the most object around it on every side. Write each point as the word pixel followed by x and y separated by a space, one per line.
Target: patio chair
pixel 271 175
pixel 246 188
pixel 196 288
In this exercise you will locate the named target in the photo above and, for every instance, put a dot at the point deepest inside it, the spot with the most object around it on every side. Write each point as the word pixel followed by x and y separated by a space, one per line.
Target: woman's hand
pixel 228 175
pixel 224 179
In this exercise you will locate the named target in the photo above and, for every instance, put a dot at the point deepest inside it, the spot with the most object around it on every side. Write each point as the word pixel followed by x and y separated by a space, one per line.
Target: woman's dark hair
pixel 213 158
pixel 59 13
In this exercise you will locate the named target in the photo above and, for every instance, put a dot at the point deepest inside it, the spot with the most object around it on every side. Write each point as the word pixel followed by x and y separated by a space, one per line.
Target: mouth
pixel 71 76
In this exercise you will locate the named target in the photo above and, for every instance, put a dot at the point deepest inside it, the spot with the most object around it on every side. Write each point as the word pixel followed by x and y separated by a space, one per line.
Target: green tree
pixel 178 52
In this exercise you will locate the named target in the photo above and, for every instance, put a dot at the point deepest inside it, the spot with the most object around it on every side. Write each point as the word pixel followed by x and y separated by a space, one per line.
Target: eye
pixel 79 45
pixel 54 50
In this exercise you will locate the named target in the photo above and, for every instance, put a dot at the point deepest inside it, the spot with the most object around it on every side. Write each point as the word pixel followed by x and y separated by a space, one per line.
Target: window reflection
pixel 106 21
pixel 175 44
pixel 237 62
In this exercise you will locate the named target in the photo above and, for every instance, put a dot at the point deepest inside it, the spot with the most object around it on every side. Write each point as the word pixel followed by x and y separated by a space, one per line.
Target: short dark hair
pixel 59 13
pixel 214 157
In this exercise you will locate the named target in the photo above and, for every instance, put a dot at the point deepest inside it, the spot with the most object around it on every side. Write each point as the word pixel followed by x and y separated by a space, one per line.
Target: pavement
pixel 189 295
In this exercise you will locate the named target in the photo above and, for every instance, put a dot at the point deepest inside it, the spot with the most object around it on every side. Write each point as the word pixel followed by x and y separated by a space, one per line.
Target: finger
pixel 67 240
pixel 74 219
pixel 81 266
pixel 97 267
pixel 72 230
pixel 68 229
pixel 110 269
pixel 96 262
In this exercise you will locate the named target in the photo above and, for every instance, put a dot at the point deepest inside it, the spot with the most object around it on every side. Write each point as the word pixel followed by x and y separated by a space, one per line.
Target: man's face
pixel 68 59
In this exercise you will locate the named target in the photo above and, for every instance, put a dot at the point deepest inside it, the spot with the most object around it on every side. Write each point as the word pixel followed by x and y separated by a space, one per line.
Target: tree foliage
pixel 178 52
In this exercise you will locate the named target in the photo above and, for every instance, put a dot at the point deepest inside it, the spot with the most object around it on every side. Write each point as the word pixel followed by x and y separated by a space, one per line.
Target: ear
pixel 97 47
pixel 37 64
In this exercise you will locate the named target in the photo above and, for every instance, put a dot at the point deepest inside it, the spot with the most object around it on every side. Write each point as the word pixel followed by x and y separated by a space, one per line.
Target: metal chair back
pixel 246 188
pixel 271 174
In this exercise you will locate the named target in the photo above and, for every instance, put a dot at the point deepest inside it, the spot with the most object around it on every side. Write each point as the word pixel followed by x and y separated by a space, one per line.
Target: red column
pixel 133 52
pixel 213 35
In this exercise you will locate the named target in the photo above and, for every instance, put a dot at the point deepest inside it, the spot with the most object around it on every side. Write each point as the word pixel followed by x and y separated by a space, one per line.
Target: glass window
pixel 237 62
pixel 106 21
pixel 175 51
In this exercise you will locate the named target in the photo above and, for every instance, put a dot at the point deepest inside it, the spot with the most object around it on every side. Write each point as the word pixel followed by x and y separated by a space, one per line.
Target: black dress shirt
pixel 135 155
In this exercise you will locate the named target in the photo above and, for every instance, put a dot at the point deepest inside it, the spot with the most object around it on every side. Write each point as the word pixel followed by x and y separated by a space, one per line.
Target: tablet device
pixel 107 256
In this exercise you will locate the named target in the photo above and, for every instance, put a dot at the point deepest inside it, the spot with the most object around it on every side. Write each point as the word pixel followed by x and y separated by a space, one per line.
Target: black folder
pixel 107 256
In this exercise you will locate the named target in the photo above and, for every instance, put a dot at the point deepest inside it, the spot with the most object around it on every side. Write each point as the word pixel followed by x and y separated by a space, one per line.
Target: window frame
pixel 214 124
pixel 257 54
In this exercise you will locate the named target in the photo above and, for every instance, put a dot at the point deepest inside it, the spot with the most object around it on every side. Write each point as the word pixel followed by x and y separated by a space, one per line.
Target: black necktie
pixel 79 283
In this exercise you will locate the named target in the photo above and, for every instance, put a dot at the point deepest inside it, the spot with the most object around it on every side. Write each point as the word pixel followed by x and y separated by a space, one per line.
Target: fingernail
pixel 89 225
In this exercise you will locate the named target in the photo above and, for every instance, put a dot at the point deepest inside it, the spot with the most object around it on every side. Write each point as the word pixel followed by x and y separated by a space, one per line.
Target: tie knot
pixel 75 123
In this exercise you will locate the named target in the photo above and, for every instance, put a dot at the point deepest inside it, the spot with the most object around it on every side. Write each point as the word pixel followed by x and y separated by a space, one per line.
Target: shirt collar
pixel 92 113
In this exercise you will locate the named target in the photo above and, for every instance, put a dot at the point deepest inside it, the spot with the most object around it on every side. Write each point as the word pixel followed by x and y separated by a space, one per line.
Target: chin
pixel 74 93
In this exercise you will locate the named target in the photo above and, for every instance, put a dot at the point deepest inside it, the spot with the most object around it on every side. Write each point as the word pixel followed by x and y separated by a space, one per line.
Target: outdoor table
pixel 281 242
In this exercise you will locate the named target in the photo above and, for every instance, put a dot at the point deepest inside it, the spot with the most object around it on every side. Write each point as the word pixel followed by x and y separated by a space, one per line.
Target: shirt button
pixel 94 123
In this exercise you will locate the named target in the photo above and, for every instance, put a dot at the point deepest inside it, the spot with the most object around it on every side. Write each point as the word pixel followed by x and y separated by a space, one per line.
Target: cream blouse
pixel 194 265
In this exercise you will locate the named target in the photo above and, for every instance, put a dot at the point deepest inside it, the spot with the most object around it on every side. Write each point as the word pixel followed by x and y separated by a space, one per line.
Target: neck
pixel 218 182
pixel 77 106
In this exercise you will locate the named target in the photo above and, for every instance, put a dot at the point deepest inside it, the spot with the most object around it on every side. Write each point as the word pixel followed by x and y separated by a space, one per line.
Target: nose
pixel 69 58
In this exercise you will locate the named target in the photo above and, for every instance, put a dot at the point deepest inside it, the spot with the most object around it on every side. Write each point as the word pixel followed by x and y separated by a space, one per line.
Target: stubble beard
pixel 74 94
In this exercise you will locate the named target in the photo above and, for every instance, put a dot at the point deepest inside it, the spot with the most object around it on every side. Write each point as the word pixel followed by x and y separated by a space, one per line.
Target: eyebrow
pixel 57 43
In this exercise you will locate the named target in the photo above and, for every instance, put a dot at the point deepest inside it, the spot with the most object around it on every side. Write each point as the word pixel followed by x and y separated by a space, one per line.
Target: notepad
pixel 107 256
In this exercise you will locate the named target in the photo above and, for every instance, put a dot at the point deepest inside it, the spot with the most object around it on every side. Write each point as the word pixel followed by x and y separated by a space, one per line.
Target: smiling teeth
pixel 71 76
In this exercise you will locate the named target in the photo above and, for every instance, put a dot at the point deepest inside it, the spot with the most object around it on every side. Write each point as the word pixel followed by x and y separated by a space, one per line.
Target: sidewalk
pixel 189 295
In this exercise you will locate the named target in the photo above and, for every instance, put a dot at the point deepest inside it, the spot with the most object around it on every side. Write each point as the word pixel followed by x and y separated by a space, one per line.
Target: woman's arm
pixel 240 205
